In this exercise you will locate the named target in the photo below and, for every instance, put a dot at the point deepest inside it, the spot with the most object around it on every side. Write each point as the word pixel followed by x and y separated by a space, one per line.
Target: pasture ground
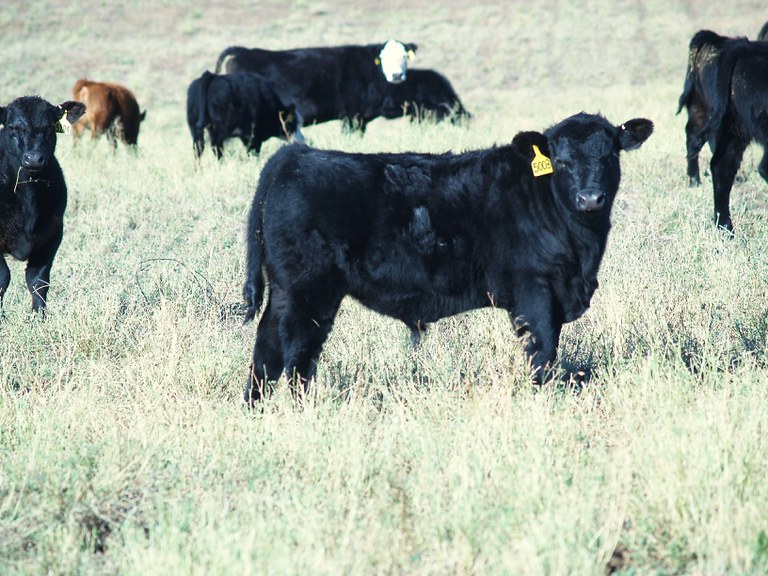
pixel 124 446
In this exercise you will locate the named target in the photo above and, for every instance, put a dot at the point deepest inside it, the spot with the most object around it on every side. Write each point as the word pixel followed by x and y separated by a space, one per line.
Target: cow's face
pixel 29 126
pixel 584 152
pixel 291 122
pixel 393 60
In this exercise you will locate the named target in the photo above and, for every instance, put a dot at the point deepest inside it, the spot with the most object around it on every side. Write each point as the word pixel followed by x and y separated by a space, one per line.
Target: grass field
pixel 124 444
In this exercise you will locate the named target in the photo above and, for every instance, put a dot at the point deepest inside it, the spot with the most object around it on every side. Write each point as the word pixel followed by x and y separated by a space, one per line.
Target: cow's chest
pixel 18 216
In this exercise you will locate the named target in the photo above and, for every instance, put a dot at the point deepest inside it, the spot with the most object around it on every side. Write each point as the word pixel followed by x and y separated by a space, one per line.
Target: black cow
pixel 426 95
pixel 328 83
pixel 739 115
pixel 33 194
pixel 236 105
pixel 419 237
pixel 699 91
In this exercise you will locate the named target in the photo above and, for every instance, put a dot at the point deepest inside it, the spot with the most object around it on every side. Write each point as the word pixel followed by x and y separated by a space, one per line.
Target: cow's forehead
pixel 29 110
pixel 590 140
pixel 393 48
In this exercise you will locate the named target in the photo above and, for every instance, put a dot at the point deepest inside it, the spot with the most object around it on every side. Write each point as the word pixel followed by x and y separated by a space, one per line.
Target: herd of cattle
pixel 418 237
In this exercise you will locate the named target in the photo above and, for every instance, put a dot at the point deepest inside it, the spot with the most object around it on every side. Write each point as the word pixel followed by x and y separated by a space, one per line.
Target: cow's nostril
pixel 32 160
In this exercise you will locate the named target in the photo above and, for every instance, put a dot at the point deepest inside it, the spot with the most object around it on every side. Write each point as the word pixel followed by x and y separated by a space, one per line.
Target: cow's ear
pixel 73 110
pixel 524 142
pixel 634 132
pixel 2 116
pixel 411 48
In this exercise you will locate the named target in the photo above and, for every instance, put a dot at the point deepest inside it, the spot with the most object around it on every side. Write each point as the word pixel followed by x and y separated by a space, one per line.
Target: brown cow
pixel 110 108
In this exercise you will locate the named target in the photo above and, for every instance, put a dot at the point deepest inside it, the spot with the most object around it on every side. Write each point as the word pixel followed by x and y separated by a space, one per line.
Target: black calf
pixel 419 237
pixel 33 194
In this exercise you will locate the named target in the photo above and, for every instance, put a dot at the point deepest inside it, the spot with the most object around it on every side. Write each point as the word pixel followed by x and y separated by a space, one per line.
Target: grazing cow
pixel 419 237
pixel 426 95
pixel 739 115
pixel 330 83
pixel 699 91
pixel 240 105
pixel 110 109
pixel 33 194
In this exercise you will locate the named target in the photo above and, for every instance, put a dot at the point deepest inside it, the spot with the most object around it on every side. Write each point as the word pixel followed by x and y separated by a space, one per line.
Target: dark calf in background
pixel 33 194
pixel 425 95
pixel 419 237
pixel 739 115
pixel 239 105
pixel 699 92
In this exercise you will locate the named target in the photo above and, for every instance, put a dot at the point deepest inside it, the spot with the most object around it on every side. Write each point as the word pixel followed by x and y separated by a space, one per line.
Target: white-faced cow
pixel 239 105
pixel 426 95
pixel 739 115
pixel 33 194
pixel 419 237
pixel 327 83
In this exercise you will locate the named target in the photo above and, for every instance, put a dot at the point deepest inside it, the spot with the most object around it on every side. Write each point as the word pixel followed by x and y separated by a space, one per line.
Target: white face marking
pixel 394 61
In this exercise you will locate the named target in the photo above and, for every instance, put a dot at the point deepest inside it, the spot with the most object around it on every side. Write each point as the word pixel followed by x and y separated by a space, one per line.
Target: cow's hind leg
pixel 691 130
pixel 267 363
pixel 304 327
pixel 725 163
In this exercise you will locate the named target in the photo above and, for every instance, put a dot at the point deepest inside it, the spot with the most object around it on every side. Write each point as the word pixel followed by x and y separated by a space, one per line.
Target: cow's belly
pixel 415 290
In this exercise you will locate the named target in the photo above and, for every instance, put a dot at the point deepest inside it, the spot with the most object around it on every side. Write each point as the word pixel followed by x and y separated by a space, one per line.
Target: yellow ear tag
pixel 541 165
pixel 411 55
pixel 377 61
pixel 63 126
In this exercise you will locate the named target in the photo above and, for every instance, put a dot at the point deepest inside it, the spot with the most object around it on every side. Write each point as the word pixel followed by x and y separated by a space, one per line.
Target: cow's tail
pixel 198 136
pixel 726 62
pixel 227 53
pixel 690 78
pixel 253 288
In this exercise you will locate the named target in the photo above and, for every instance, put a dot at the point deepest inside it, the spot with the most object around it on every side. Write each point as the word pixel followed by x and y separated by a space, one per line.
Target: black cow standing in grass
pixel 699 92
pixel 426 95
pixel 327 83
pixel 33 194
pixel 739 115
pixel 419 237
pixel 240 105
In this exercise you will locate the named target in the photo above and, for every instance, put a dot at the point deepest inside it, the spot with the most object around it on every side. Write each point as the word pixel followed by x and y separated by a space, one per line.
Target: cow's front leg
pixel 5 279
pixel 534 319
pixel 38 281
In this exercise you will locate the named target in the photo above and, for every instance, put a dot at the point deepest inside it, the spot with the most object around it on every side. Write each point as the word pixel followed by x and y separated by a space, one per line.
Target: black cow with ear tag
pixel 33 193
pixel 418 237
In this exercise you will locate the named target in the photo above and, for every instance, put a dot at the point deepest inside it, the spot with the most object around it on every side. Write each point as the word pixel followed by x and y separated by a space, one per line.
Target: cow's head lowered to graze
pixel 33 193
pixel 419 237
pixel 393 59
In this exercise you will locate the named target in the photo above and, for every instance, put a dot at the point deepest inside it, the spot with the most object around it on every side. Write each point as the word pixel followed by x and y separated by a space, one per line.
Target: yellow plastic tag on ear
pixel 377 61
pixel 541 165
pixel 63 126
pixel 411 55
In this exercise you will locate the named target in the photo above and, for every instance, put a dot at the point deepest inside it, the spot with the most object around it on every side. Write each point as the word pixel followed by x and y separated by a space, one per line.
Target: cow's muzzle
pixel 33 161
pixel 590 201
